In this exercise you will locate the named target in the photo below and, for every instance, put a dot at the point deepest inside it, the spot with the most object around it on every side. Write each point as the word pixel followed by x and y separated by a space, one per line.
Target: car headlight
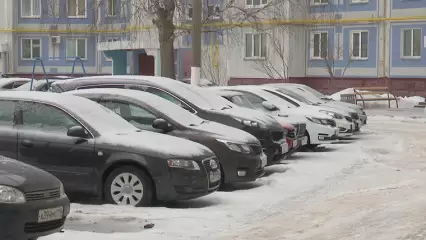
pixel 333 114
pixel 250 123
pixel 237 147
pixel 11 195
pixel 62 190
pixel 184 164
pixel 317 120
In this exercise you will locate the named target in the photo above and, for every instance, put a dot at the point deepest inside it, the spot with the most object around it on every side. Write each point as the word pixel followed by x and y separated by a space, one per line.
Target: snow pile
pixel 403 102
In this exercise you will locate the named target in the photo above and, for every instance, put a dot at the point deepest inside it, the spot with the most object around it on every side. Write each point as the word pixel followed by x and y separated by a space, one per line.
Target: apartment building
pixel 359 42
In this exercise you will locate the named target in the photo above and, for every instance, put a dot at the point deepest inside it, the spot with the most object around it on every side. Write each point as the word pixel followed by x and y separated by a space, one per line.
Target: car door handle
pixel 27 143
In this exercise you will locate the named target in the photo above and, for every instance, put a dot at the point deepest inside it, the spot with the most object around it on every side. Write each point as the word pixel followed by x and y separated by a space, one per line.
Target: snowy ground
pixel 371 188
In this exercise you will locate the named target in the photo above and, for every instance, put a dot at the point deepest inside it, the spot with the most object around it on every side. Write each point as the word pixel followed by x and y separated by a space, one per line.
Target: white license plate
pixel 284 148
pixel 304 141
pixel 264 159
pixel 295 143
pixel 51 214
pixel 214 176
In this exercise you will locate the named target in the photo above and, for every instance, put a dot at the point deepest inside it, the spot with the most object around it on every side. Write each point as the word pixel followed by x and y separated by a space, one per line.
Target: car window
pixel 8 86
pixel 7 109
pixel 136 115
pixel 255 100
pixel 46 117
pixel 18 84
pixel 283 97
pixel 170 98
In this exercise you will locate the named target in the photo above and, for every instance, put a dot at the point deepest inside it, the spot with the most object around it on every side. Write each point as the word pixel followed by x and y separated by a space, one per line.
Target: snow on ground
pixel 403 102
pixel 371 188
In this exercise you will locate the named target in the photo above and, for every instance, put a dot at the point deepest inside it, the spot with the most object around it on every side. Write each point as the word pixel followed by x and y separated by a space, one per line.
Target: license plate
pixel 295 143
pixel 336 132
pixel 264 159
pixel 304 141
pixel 50 214
pixel 284 148
pixel 214 176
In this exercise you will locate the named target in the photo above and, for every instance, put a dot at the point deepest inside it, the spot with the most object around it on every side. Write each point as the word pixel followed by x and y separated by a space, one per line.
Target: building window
pixel 53 8
pixel 189 13
pixel 76 8
pixel 411 42
pixel 255 45
pixel 213 11
pixel 31 8
pixel 30 49
pixel 359 1
pixel 319 2
pixel 112 8
pixel 77 47
pixel 319 45
pixel 256 3
pixel 359 45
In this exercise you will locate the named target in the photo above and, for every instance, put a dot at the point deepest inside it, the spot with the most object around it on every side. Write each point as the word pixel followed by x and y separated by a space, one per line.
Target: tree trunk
pixel 167 54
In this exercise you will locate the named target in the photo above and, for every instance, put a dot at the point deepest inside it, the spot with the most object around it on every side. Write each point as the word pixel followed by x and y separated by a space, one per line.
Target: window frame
pixel 312 48
pixel 412 43
pixel 360 46
pixel 114 8
pixel 76 6
pixel 319 2
pixel 69 58
pixel 260 57
pixel 262 3
pixel 31 47
pixel 32 10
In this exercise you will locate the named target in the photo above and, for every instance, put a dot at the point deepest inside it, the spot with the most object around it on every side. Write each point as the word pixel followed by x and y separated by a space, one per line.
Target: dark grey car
pixel 92 150
pixel 32 202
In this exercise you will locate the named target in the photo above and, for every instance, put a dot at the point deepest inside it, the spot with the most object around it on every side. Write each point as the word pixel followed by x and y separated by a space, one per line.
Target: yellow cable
pixel 218 25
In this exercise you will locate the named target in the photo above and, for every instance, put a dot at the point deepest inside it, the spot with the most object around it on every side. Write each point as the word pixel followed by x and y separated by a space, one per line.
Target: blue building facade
pixel 375 39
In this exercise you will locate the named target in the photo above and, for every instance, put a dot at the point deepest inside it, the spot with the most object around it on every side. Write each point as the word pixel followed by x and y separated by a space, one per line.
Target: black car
pixel 32 202
pixel 92 150
pixel 12 83
pixel 196 100
pixel 239 153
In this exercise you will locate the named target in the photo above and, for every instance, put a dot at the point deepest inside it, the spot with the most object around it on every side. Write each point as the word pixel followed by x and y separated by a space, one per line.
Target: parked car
pixel 32 202
pixel 347 125
pixel 239 153
pixel 12 83
pixel 92 150
pixel 196 100
pixel 317 97
pixel 295 129
pixel 203 82
pixel 320 127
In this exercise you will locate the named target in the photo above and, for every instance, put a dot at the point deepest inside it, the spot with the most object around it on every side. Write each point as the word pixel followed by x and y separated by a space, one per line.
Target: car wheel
pixel 129 186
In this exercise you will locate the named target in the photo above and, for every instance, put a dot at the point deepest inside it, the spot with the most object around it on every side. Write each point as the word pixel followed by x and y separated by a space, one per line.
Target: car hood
pixel 221 131
pixel 250 114
pixel 154 144
pixel 24 177
pixel 300 114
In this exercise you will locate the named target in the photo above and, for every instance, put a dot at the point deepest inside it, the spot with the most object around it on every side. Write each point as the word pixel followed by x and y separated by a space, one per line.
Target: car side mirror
pixel 162 124
pixel 269 106
pixel 77 131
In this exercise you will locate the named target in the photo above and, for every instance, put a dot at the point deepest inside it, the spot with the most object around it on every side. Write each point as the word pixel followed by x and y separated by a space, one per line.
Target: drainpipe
pixel 385 42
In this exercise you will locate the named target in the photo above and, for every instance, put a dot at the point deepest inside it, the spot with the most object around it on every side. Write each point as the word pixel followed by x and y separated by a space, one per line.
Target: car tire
pixel 131 187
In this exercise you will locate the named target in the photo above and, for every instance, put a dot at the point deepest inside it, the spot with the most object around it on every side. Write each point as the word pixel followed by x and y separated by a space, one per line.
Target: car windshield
pixel 200 97
pixel 242 101
pixel 174 112
pixel 315 92
pixel 26 86
pixel 295 96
